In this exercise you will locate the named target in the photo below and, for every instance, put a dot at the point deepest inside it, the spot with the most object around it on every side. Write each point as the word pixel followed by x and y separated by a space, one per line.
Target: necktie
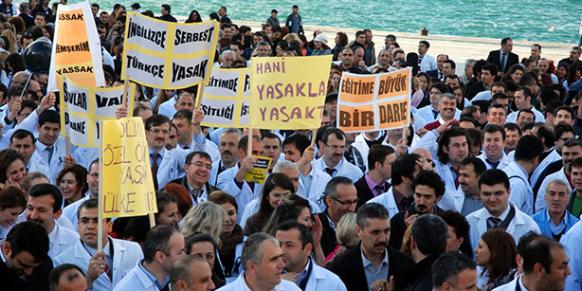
pixel 493 222
pixel 166 288
pixel 50 151
pixel 154 157
pixel 330 171
pixel 435 113
pixel 493 164
pixel 379 190
pixel 456 177
pixel 503 61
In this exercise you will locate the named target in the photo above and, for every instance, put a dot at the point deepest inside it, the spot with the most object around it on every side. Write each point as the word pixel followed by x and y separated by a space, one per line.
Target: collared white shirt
pixel 374 274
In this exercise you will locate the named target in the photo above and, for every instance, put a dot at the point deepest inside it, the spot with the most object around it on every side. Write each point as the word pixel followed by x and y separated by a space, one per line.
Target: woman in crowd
pixel 458 239
pixel 73 183
pixel 495 256
pixel 231 237
pixel 194 17
pixel 276 187
pixel 345 234
pixel 12 203
pixel 514 73
pixel 12 167
pixel 202 218
pixel 203 246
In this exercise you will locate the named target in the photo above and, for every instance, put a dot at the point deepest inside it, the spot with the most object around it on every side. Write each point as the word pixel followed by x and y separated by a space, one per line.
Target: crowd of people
pixel 483 191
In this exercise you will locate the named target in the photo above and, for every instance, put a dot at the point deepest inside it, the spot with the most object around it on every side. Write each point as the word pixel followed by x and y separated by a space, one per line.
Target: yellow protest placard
pixel 168 55
pixel 83 107
pixel 128 185
pixel 260 170
pixel 226 98
pixel 374 102
pixel 76 51
pixel 288 92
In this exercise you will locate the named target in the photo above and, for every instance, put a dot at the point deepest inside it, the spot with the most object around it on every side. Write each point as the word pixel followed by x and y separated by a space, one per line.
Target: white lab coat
pixel 167 108
pixel 572 242
pixel 70 211
pixel 226 182
pixel 136 279
pixel 511 286
pixel 60 239
pixel 521 192
pixel 538 116
pixel 240 285
pixel 387 200
pixel 323 279
pixel 35 164
pixel 316 190
pixel 540 198
pixel 503 162
pixel 30 123
pixel 519 225
pixel 172 165
pixel 57 160
pixel 125 256
pixel 344 168
pixel 448 176
pixel 428 63
pixel 552 157
pixel 84 156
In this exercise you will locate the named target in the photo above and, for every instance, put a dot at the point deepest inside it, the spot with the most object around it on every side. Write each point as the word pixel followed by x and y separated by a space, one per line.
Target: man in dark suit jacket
pixel 373 229
pixel 373 183
pixel 428 240
pixel 24 260
pixel 503 57
pixel 197 167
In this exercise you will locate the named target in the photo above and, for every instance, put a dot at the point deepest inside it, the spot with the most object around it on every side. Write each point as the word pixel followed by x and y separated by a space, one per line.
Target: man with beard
pixel 372 262
pixel 545 267
pixel 197 169
pixel 227 146
pixel 428 190
pixel 296 244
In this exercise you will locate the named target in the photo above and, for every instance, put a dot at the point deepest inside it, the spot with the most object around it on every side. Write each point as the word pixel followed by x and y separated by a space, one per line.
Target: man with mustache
pixel 228 143
pixel 373 261
pixel 555 220
pixel 428 190
pixel 333 161
pixel 197 168
pixel 467 199
pixel 190 134
pixel 106 268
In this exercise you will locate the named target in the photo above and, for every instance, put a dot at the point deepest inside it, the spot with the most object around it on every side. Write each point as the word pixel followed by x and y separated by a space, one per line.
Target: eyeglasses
pixel 201 165
pixel 349 202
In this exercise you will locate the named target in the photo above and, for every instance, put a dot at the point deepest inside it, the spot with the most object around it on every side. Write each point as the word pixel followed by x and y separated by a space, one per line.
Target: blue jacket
pixel 542 218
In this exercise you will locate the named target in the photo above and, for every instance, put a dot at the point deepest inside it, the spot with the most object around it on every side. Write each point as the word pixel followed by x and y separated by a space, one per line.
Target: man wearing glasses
pixel 197 172
pixel 166 165
pixel 341 197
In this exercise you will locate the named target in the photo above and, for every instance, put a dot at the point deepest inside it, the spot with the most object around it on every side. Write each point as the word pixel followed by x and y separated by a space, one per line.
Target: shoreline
pixel 459 48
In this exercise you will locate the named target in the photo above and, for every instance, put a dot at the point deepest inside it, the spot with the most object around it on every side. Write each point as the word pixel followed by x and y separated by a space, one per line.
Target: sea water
pixel 531 20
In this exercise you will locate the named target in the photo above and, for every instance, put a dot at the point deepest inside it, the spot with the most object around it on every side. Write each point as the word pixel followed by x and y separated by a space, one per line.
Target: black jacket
pixel 399 227
pixel 418 278
pixel 495 58
pixel 349 267
pixel 328 240
pixel 364 192
pixel 184 182
pixel 37 281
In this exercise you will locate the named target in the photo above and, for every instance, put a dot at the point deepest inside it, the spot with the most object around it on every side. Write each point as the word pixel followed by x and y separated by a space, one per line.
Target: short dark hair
pixel 448 267
pixel 378 153
pixel 451 62
pixel 157 240
pixel 512 126
pixel 493 177
pixel 526 91
pixel 565 108
pixel 156 120
pixel 493 128
pixel 80 174
pixel 201 154
pixel 404 166
pixel 478 164
pixel 425 43
pixel 43 189
pixel 461 228
pixel 562 128
pixel 304 233
pixel 167 7
pixel 183 114
pixel 49 116
pixel 331 187
pixel 528 148
pixel 505 40
pixel 55 275
pixel 7 157
pixel 546 133
pixel 270 135
pixel 198 238
pixel 338 133
pixel 431 180
pixel 29 237
pixel 10 197
pixel 370 211
pixel 430 234
pixel 22 134
pixel 539 251
pixel 528 111
pixel 299 141
pixel 91 203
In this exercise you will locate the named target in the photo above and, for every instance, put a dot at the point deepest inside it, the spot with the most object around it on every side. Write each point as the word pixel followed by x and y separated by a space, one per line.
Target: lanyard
pixel 110 249
pixel 303 282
